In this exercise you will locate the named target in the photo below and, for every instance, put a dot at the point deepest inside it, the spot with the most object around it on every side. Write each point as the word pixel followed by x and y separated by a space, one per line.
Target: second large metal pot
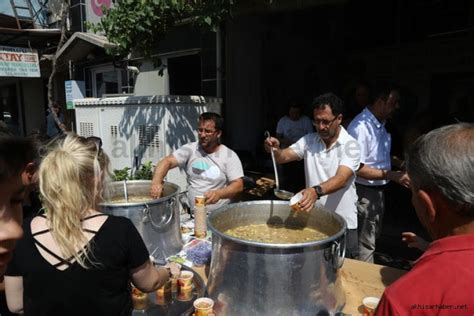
pixel 255 278
pixel 157 220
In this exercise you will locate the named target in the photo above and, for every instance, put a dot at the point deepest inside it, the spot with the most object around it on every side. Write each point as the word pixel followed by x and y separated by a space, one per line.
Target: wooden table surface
pixel 359 279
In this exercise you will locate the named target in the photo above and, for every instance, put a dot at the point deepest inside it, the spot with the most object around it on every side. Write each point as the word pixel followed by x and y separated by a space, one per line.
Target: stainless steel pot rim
pixel 149 203
pixel 316 243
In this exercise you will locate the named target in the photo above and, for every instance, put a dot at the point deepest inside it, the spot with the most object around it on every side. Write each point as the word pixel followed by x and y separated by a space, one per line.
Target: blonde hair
pixel 71 177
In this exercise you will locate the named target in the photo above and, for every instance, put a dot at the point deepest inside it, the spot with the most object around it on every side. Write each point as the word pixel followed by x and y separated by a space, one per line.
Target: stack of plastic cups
pixel 200 216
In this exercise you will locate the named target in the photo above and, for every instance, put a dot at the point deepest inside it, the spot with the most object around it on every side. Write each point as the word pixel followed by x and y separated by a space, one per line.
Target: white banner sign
pixel 19 62
pixel 74 90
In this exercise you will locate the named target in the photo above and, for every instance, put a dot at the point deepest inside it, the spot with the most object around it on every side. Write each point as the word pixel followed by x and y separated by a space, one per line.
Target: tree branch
pixel 64 14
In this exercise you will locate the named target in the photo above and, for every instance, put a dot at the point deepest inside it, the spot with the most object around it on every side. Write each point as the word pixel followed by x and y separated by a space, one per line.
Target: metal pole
pixel 218 62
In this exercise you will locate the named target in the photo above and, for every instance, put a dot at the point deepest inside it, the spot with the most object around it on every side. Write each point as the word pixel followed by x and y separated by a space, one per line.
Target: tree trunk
pixel 64 15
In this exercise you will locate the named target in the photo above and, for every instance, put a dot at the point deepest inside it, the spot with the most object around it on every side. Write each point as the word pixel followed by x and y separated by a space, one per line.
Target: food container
pixel 177 304
pixel 295 202
pixel 185 279
pixel 203 307
pixel 163 296
pixel 199 200
pixel 370 304
pixel 157 220
pixel 257 278
pixel 164 289
pixel 185 293
pixel 139 299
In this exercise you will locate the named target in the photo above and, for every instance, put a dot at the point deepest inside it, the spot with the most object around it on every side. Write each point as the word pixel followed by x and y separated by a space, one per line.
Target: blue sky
pixel 6 8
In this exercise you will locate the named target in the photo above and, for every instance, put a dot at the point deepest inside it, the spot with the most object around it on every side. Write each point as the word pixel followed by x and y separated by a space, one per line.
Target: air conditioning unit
pixel 138 129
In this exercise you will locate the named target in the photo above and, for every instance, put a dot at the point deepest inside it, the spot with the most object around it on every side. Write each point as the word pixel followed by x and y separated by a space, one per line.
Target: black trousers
pixel 352 244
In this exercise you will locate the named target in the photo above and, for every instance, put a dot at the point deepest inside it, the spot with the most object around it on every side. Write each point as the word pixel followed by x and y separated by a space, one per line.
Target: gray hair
pixel 443 160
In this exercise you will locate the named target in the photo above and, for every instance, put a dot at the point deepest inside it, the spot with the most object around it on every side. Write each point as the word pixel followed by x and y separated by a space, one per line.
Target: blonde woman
pixel 75 260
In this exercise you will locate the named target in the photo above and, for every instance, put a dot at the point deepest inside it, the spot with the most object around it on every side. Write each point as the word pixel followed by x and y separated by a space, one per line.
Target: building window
pixel 185 75
pixel 107 80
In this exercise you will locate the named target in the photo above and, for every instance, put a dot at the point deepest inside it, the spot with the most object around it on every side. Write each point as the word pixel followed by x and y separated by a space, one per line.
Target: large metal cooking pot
pixel 256 278
pixel 157 221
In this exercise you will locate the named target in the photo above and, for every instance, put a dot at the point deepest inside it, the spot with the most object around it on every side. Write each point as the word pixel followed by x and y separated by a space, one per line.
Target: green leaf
pixel 141 24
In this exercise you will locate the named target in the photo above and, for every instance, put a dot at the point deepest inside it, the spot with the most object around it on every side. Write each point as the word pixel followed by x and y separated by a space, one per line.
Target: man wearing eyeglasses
pixel 213 170
pixel 331 158
pixel 368 127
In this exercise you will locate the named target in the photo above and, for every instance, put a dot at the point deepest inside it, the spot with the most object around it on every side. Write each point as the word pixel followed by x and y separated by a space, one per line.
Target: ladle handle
pixel 267 135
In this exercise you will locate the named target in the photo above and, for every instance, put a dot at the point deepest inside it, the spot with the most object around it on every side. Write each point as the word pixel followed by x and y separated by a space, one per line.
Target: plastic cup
pixel 370 304
pixel 203 307
pixel 174 279
pixel 139 299
pixel 295 202
pixel 163 297
pixel 164 289
pixel 185 279
pixel 199 200
pixel 185 294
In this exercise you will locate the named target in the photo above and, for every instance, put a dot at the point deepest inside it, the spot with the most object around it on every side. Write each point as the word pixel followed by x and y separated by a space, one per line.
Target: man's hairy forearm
pixel 161 170
pixel 369 173
pixel 333 184
pixel 232 189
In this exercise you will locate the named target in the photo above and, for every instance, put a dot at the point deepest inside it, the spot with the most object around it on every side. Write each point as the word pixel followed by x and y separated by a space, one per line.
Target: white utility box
pixel 138 129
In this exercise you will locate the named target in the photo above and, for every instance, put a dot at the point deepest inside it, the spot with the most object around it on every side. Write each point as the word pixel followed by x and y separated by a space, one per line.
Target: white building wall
pixel 150 82
pixel 145 128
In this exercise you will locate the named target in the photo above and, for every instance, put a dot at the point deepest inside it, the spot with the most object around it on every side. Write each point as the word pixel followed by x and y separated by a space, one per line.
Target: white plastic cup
pixel 370 304
pixel 295 202
pixel 185 279
pixel 203 307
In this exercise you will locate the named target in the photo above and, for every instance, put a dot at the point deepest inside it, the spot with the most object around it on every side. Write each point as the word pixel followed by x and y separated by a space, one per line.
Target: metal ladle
pixel 281 194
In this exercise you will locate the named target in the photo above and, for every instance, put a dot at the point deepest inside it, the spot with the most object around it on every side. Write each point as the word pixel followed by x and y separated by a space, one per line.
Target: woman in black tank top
pixel 74 260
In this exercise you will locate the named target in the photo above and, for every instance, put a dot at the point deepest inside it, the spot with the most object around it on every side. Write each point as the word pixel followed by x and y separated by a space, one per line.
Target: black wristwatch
pixel 319 191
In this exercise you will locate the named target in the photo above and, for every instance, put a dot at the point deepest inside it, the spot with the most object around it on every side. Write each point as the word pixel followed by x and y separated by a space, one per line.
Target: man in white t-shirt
pixel 289 129
pixel 293 126
pixel 368 127
pixel 331 157
pixel 213 169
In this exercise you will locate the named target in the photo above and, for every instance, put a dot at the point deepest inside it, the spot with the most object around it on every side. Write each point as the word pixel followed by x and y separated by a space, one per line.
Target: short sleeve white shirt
pixel 375 143
pixel 321 163
pixel 207 172
pixel 294 130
